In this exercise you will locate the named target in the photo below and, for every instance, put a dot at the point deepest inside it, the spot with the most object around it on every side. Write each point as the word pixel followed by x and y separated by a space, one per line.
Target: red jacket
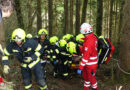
pixel 89 51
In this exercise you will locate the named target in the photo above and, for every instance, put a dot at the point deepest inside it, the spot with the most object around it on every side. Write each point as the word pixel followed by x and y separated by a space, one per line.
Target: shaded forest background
pixel 110 18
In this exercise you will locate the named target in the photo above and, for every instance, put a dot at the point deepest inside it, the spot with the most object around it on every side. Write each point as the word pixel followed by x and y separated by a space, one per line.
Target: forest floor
pixel 75 82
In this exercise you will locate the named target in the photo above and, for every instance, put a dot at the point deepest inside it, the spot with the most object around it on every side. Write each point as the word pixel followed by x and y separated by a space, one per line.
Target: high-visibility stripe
pixel 33 63
pixel 53 57
pixel 28 86
pixel 82 64
pixel 37 54
pixel 63 53
pixel 57 51
pixel 5 58
pixel 29 49
pixel 6 52
pixel 65 62
pixel 86 85
pixel 87 82
pixel 91 63
pixel 14 50
pixel 48 56
pixel 65 74
pixel 24 65
pixel 44 87
pixel 93 58
pixel 38 47
pixel 94 85
pixel 84 60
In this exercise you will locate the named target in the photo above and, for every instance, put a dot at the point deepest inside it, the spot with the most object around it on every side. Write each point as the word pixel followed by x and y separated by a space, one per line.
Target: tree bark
pixel 19 14
pixel 99 17
pixel 71 16
pixel 84 10
pixel 50 13
pixel 66 16
pixel 111 17
pixel 125 40
pixel 2 35
pixel 77 17
pixel 39 18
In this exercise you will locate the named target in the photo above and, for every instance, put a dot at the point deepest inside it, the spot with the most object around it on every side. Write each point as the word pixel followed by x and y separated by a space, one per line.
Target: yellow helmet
pixel 53 39
pixel 62 43
pixel 79 37
pixel 18 35
pixel 71 47
pixel 67 37
pixel 42 31
pixel 29 35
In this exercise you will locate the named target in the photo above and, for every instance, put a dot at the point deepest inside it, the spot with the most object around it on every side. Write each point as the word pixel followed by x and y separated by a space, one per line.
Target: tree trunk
pixel 39 18
pixel 99 17
pixel 19 14
pixel 50 13
pixel 111 17
pixel 84 10
pixel 125 40
pixel 120 20
pixel 77 17
pixel 2 35
pixel 66 16
pixel 71 16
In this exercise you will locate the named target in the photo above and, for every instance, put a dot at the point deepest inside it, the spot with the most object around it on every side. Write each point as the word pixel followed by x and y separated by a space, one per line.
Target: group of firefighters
pixel 34 52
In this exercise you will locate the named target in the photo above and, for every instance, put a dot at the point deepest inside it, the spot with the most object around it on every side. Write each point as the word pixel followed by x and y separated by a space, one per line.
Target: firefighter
pixel 88 64
pixel 54 51
pixel 68 37
pixel 79 39
pixel 28 52
pixel 29 35
pixel 65 59
pixel 43 40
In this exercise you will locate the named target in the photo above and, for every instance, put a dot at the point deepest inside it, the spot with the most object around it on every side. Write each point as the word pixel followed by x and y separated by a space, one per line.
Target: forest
pixel 109 18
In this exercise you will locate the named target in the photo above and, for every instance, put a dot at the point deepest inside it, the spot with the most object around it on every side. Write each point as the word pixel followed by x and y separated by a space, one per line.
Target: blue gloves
pixel 54 62
pixel 79 71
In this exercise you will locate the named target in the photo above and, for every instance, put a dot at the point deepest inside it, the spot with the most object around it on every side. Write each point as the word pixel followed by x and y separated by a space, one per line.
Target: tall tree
pixel 77 16
pixel 71 16
pixel 39 18
pixel 84 10
pixel 50 13
pixel 111 17
pixel 19 13
pixel 66 16
pixel 99 17
pixel 125 40
pixel 2 35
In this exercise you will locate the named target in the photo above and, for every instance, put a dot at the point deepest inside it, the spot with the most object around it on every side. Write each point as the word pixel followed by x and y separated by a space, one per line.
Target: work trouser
pixel 39 76
pixel 89 72
pixel 63 69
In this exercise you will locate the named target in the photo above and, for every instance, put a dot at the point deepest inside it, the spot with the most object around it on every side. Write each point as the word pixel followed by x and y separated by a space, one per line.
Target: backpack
pixel 105 50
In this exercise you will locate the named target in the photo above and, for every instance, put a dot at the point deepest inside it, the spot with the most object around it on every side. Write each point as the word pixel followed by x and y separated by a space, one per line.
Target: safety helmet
pixel 42 31
pixel 53 39
pixel 62 43
pixel 67 37
pixel 18 35
pixel 79 37
pixel 71 47
pixel 86 28
pixel 29 35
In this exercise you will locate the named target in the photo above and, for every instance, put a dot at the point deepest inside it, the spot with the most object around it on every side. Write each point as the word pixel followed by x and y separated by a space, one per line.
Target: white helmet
pixel 86 28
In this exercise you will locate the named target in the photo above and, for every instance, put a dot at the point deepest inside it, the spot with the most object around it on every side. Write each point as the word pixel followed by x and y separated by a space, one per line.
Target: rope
pixel 120 67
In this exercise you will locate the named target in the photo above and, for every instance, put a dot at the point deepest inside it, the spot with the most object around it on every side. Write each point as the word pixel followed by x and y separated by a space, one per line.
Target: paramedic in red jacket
pixel 88 64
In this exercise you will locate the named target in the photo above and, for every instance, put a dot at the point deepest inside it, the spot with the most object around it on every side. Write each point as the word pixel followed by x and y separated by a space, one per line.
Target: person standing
pixel 89 60
pixel 28 52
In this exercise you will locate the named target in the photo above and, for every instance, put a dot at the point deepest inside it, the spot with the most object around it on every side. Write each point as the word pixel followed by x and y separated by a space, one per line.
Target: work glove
pixel 79 71
pixel 6 69
pixel 27 59
pixel 54 62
